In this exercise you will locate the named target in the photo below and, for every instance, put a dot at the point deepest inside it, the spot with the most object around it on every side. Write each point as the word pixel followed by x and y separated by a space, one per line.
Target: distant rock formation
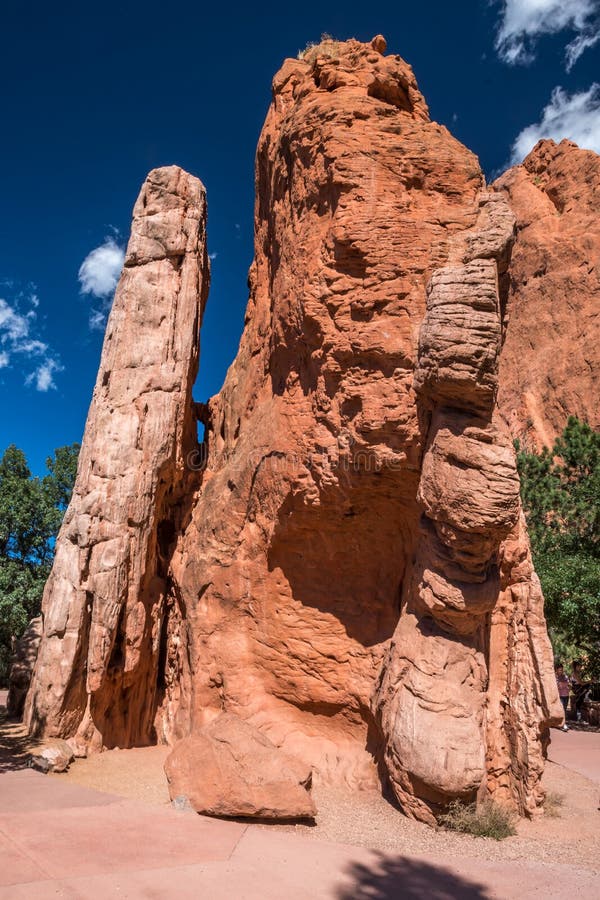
pixel 550 365
pixel 345 565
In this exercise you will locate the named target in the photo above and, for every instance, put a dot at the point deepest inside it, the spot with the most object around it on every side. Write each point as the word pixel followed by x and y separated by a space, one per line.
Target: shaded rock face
pixel 230 769
pixel 347 567
pixel 21 667
pixel 550 365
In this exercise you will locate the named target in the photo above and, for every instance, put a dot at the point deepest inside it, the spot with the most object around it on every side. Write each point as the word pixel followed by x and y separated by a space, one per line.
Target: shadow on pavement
pixel 408 879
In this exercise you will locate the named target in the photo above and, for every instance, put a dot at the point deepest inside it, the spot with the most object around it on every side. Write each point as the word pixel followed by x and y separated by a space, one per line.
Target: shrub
pixel 553 804
pixel 327 46
pixel 485 819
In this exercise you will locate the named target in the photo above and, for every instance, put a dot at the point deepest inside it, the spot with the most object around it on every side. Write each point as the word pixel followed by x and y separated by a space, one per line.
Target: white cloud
pixel 100 270
pixel 524 21
pixel 574 116
pixel 13 325
pixel 43 377
pixel 99 275
pixel 98 319
pixel 18 344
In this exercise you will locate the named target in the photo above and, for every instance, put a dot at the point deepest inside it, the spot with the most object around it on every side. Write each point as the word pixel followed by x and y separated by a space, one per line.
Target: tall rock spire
pixel 105 606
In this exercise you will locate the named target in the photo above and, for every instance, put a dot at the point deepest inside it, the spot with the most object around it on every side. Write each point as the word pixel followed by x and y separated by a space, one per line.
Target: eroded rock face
pixel 551 357
pixel 230 769
pixel 105 604
pixel 350 574
pixel 433 689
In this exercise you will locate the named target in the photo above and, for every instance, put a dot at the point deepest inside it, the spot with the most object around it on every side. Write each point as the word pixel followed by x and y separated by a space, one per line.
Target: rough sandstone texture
pixel 346 568
pixel 99 675
pixel 230 769
pixel 550 365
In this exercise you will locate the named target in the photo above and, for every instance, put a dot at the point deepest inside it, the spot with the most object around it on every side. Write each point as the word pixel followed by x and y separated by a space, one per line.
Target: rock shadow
pixel 15 743
pixel 410 879
pixel 361 531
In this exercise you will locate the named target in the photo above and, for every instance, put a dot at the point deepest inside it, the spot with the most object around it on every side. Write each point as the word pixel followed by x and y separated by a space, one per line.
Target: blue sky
pixel 93 96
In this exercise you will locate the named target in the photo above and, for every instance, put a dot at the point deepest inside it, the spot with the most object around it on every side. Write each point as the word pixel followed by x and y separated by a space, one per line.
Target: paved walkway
pixel 61 840
pixel 577 750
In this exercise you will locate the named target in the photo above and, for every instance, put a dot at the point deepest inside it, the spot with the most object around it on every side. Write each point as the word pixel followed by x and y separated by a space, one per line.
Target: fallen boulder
pixel 231 769
pixel 53 756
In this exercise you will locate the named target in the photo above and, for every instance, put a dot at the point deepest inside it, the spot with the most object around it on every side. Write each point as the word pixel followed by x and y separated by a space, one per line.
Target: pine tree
pixel 560 489
pixel 31 511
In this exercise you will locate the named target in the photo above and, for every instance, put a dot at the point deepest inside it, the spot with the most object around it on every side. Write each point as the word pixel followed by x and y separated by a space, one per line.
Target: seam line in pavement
pixel 237 843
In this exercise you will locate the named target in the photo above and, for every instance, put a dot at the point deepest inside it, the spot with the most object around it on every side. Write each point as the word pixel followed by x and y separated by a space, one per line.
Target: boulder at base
pixel 54 755
pixel 230 769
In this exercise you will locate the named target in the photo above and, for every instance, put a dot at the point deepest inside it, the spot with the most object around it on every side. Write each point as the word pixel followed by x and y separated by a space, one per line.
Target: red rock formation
pixel 97 675
pixel 354 580
pixel 550 365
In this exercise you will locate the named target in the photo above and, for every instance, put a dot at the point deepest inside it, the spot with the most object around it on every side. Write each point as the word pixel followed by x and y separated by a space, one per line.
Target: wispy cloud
pixel 43 377
pixel 523 22
pixel 98 277
pixel 574 116
pixel 20 346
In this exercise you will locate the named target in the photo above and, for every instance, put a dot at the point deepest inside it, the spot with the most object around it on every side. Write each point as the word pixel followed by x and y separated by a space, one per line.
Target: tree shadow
pixel 409 879
pixel 15 744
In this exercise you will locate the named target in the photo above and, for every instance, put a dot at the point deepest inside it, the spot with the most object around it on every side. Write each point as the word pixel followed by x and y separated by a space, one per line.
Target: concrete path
pixel 577 750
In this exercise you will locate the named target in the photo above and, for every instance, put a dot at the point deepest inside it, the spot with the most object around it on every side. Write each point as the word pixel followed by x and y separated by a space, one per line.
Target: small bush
pixel 327 46
pixel 553 804
pixel 484 820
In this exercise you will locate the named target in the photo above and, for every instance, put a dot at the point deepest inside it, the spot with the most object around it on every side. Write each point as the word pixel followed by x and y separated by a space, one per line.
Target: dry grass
pixel 327 46
pixel 553 804
pixel 486 819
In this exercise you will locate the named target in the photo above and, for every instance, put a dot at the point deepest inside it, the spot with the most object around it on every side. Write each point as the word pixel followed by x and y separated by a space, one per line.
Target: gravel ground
pixel 369 820
pixel 136 774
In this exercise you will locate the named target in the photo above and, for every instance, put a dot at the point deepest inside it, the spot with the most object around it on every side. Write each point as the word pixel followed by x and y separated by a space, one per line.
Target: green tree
pixel 31 511
pixel 561 497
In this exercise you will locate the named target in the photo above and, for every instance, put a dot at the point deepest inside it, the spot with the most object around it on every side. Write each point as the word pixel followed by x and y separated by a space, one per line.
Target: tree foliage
pixel 31 511
pixel 560 489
